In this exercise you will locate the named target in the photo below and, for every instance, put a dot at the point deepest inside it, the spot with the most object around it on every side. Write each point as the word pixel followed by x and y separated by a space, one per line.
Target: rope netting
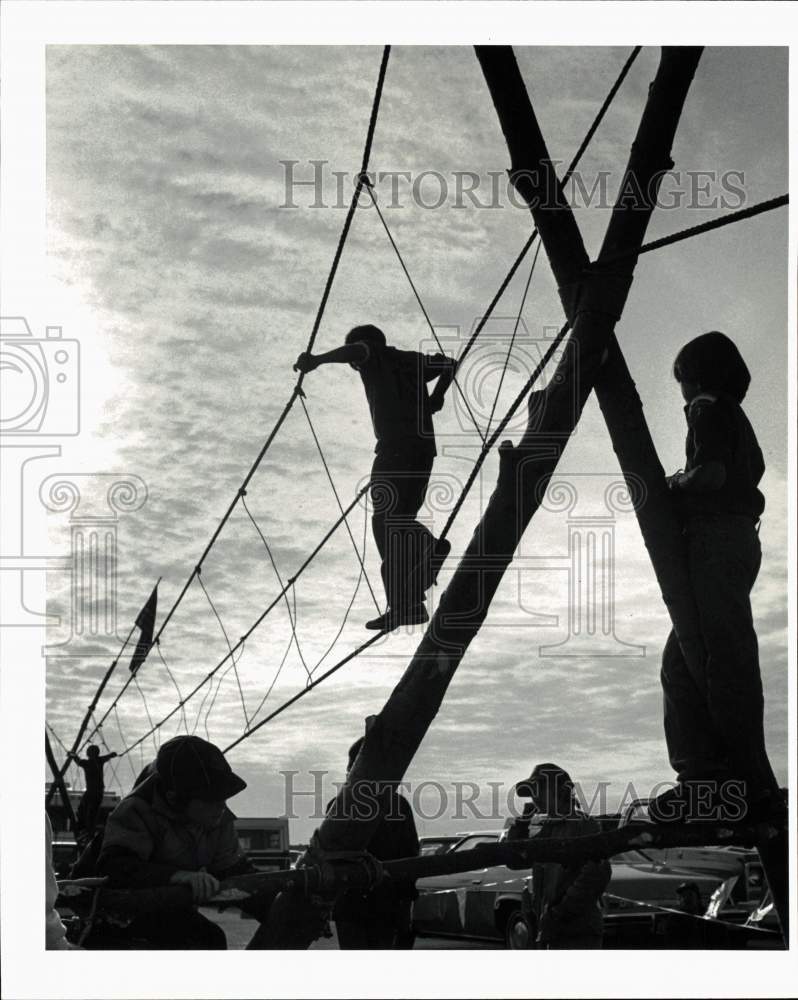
pixel 287 585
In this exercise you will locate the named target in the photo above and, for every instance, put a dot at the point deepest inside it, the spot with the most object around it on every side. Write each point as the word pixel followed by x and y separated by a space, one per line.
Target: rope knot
pixel 364 180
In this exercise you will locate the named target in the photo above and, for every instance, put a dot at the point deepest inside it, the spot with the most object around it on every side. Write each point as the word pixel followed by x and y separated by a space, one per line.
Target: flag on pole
pixel 145 620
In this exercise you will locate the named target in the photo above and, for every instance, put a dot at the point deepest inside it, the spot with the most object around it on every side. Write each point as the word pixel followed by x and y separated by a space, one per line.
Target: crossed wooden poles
pixel 593 296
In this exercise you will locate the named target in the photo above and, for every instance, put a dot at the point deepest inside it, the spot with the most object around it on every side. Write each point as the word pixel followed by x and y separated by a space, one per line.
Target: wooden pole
pixel 613 383
pixel 58 780
pixel 524 470
pixel 615 389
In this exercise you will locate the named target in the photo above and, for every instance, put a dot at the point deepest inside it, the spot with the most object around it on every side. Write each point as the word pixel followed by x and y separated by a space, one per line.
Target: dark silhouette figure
pixel 688 931
pixel 565 905
pixel 89 807
pixel 381 918
pixel 395 383
pixel 714 724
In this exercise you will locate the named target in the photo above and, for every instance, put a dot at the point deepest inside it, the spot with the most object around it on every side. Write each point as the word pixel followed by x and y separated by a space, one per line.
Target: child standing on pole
pixel 714 715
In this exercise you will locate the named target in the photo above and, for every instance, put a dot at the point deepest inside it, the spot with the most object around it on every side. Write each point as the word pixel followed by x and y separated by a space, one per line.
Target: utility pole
pixel 594 308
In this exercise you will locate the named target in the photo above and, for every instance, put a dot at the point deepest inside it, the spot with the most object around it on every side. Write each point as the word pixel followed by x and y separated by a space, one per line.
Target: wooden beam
pixel 392 741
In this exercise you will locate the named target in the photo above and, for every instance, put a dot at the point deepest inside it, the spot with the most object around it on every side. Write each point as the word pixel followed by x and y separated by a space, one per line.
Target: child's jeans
pixel 714 725
pixel 399 480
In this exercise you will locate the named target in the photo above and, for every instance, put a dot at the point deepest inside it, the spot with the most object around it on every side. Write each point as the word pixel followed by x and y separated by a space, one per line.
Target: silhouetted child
pixel 89 806
pixel 380 917
pixel 714 724
pixel 395 383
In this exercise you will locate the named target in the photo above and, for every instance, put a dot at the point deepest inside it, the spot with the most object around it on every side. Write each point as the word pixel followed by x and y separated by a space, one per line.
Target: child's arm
pixel 349 354
pixel 713 448
pixel 443 368
pixel 702 479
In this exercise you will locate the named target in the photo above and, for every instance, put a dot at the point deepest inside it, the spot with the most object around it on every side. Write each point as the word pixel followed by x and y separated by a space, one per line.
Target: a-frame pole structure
pixel 614 386
pixel 392 741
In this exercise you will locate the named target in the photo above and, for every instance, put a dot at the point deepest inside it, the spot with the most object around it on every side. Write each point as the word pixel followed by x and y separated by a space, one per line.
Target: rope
pixel 370 190
pixel 487 444
pixel 126 748
pixel 110 763
pixel 360 577
pixel 512 339
pixel 174 681
pixel 216 695
pixel 340 505
pixel 501 427
pixel 297 389
pixel 291 614
pixel 233 663
pixel 260 618
pixel 147 710
pixel 337 634
pixel 705 227
pixel 301 694
pixel 263 700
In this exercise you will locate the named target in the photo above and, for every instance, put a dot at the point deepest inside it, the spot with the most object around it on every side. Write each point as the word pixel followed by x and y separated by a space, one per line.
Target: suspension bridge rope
pixel 488 442
pixel 311 341
pixel 363 181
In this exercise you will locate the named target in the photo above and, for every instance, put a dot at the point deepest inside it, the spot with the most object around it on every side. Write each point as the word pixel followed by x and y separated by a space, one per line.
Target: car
pixel 741 863
pixel 488 904
pixel 441 844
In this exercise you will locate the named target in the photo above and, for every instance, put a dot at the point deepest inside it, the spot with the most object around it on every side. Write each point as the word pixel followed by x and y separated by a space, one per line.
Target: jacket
pixel 146 842
pixel 566 901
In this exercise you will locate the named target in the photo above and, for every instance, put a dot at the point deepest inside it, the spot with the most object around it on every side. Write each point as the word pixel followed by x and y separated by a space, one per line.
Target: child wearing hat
pixel 174 828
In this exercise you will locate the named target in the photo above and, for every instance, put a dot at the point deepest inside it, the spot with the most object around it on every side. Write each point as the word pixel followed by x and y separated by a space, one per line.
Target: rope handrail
pixel 705 227
pixel 298 387
pixel 487 443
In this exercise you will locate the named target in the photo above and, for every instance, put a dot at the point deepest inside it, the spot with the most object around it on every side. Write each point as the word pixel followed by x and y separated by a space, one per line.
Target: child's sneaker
pixel 392 619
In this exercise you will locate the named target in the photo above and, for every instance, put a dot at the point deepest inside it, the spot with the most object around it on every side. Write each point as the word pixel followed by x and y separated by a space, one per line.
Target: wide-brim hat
pixel 193 767
pixel 546 771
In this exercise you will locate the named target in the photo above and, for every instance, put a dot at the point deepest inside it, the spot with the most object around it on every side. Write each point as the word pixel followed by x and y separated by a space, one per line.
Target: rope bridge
pixel 488 438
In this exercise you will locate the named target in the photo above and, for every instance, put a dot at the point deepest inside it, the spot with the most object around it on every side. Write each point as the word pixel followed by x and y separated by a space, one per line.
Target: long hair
pixel 368 334
pixel 713 362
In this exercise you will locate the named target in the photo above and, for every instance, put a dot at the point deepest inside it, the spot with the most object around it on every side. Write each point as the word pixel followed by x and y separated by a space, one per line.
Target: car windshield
pixel 470 842
pixel 434 847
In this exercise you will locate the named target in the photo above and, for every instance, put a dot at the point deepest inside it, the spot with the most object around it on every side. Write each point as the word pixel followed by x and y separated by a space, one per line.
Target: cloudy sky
pixel 196 270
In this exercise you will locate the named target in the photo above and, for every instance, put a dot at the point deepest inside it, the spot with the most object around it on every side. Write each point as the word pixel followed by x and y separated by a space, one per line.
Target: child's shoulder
pixel 703 399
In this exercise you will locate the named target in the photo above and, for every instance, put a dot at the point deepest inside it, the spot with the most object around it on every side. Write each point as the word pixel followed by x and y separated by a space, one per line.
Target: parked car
pixel 437 845
pixel 486 904
pixel 741 863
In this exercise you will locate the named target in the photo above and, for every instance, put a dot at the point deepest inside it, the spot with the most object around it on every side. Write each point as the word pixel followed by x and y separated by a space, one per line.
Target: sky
pixel 197 269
